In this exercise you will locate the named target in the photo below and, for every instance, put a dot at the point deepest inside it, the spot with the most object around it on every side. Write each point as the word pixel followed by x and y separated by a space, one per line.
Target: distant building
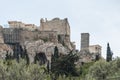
pixel 95 49
pixel 88 52
pixel 56 31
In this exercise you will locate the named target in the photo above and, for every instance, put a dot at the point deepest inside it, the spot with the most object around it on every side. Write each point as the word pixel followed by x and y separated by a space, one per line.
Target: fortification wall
pixel 16 24
pixel 27 36
pixel 61 26
pixel 30 27
pixel 13 35
pixel 48 36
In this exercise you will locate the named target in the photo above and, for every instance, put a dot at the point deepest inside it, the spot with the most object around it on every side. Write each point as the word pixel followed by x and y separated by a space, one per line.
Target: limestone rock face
pixel 38 46
pixel 5 49
pixel 68 44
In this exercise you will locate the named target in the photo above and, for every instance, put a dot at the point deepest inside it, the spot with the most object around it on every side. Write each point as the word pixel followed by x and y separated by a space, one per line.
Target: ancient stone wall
pixel 16 24
pixel 13 35
pixel 27 36
pixel 30 27
pixel 48 36
pixel 61 26
pixel 49 31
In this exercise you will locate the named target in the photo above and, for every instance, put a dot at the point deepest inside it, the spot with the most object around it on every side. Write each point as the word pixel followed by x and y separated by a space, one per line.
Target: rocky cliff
pixel 5 49
pixel 38 46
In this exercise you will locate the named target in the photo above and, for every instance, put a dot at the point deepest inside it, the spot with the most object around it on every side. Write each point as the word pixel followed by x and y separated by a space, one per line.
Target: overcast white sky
pixel 101 18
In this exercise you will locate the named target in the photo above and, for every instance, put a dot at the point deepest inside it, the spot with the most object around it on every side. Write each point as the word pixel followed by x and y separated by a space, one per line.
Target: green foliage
pixel 114 70
pixel 63 68
pixel 103 70
pixel 12 70
pixel 85 68
pixel 64 65
pixel 99 70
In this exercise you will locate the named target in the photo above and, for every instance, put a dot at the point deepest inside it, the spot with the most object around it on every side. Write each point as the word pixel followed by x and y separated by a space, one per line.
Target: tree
pixel 40 57
pixel 97 57
pixel 65 65
pixel 102 70
pixel 56 52
pixel 99 71
pixel 109 53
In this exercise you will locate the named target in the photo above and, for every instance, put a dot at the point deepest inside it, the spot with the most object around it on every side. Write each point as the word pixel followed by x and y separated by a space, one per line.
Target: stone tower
pixel 84 41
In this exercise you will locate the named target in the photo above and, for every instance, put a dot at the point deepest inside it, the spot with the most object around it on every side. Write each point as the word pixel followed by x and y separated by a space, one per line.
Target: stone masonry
pixel 84 40
pixel 50 33
pixel 55 32
pixel 19 24
pixel 61 26
pixel 88 52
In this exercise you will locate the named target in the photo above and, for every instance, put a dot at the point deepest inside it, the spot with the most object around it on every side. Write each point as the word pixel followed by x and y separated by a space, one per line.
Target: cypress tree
pixel 56 53
pixel 109 53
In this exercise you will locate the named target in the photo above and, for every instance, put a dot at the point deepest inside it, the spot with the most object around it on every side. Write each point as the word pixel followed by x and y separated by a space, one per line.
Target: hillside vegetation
pixel 64 70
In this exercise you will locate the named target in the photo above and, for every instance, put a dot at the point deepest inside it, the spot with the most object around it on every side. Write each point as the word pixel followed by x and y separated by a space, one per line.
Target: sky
pixel 99 18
